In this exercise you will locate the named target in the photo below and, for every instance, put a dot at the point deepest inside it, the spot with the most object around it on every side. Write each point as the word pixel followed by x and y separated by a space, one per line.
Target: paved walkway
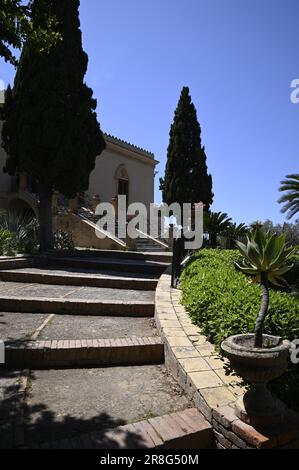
pixel 55 403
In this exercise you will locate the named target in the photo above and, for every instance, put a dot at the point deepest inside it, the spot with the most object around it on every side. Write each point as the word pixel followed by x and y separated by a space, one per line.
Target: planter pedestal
pixel 259 407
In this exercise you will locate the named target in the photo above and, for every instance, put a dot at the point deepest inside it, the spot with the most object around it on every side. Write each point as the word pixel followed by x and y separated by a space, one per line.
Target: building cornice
pixel 130 150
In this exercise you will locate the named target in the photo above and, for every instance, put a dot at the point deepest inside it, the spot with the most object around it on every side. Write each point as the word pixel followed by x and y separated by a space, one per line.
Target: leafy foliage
pixel 223 302
pixel 235 232
pixel 4 237
pixel 291 230
pixel 20 22
pixel 63 241
pixel 291 199
pixel 18 233
pixel 216 223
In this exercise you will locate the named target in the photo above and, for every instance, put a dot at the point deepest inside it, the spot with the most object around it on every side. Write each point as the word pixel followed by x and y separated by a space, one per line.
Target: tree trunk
pixel 213 240
pixel 178 256
pixel 231 243
pixel 259 327
pixel 45 217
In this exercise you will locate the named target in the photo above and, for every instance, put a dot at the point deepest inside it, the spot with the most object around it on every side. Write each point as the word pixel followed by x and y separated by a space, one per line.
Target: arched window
pixel 122 182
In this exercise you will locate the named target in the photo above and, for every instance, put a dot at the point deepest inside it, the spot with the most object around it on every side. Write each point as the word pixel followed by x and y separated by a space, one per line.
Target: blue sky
pixel 238 58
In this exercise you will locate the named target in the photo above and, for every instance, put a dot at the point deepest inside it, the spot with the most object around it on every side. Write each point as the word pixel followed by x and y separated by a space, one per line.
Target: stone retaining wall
pixel 192 360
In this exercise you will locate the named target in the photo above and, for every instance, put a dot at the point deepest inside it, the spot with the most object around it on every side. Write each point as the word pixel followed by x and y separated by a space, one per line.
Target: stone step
pixel 21 327
pixel 18 262
pixel 84 353
pixel 75 279
pixel 149 249
pixel 77 306
pixel 146 247
pixel 64 403
pixel 161 256
pixel 146 244
pixel 137 266
pixel 185 429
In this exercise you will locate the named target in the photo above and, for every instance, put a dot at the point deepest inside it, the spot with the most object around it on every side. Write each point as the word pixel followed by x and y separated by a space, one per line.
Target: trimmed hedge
pixel 224 302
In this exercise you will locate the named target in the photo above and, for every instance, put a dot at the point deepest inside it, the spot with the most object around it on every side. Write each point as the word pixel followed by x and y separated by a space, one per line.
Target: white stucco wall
pixel 139 167
pixel 5 181
pixel 141 177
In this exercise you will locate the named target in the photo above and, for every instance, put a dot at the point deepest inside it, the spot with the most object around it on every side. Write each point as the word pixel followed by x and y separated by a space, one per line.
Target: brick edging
pixel 84 353
pixel 182 430
pixel 62 306
pixel 193 362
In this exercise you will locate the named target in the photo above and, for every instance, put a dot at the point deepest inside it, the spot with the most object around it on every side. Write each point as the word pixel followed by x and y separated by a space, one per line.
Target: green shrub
pixel 224 302
pixel 63 241
pixel 22 229
pixel 5 236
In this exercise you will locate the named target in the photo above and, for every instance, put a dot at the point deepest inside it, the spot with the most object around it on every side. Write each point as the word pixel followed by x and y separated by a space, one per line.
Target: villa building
pixel 121 169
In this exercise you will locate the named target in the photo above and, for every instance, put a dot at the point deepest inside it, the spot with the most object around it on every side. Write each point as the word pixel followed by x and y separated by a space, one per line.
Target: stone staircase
pixel 143 243
pixel 82 326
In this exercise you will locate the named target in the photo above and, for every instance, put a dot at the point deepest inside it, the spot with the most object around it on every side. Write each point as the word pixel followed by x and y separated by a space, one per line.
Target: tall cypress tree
pixel 51 131
pixel 186 176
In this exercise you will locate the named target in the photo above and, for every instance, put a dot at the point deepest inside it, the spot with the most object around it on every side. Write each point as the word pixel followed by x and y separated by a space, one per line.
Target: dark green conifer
pixel 51 130
pixel 186 175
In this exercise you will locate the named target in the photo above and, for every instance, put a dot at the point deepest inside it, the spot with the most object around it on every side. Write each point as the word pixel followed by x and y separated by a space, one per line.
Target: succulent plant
pixel 266 258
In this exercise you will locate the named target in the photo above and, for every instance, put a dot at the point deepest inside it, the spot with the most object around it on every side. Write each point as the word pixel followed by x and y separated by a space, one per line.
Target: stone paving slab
pixel 71 292
pixel 69 327
pixel 17 326
pixel 65 403
pixel 8 406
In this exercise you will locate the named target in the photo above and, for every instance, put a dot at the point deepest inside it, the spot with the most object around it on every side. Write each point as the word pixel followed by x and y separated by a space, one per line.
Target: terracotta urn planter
pixel 258 366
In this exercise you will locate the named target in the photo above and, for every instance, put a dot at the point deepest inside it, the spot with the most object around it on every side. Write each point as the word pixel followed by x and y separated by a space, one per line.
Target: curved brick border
pixel 192 360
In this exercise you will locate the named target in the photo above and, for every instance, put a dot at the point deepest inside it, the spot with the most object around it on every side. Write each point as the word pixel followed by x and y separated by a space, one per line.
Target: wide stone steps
pixel 76 279
pixel 185 429
pixel 84 353
pixel 83 328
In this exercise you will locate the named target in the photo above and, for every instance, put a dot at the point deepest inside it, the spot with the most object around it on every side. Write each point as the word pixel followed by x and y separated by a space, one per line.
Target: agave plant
pixel 267 260
pixel 291 199
pixel 216 223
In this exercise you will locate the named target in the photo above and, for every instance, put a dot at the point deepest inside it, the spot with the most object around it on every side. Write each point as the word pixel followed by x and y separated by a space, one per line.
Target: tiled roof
pixel 123 143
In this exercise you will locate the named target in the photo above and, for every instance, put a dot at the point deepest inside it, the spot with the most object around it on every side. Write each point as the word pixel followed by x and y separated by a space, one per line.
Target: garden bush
pixel 225 302
pixel 18 233
pixel 4 239
pixel 63 241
